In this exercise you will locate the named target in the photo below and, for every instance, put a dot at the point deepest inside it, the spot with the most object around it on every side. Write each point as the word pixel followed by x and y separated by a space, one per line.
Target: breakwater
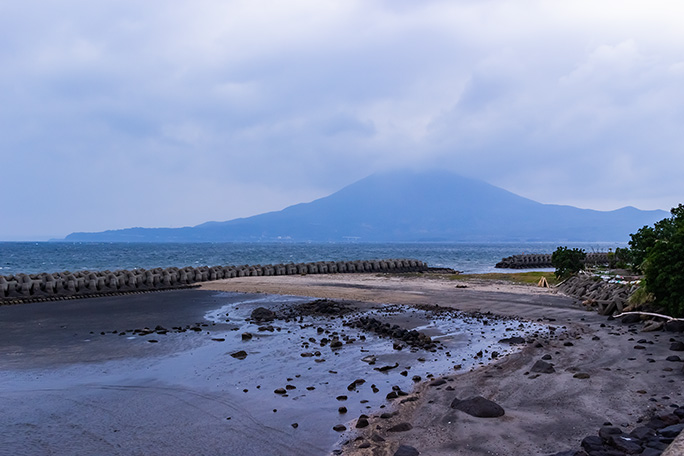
pixel 528 261
pixel 606 297
pixel 20 288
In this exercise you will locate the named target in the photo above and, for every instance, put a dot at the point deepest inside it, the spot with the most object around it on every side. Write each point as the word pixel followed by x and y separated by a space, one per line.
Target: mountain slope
pixel 409 206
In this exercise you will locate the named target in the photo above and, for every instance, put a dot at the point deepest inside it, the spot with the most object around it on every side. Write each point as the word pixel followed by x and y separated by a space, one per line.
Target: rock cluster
pixel 66 285
pixel 650 439
pixel 410 337
pixel 319 308
pixel 608 298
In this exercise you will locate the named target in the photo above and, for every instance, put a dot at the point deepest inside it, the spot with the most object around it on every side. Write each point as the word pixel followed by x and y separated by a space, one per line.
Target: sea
pixel 470 258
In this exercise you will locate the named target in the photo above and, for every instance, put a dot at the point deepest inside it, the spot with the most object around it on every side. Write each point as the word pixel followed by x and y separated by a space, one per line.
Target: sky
pixel 121 113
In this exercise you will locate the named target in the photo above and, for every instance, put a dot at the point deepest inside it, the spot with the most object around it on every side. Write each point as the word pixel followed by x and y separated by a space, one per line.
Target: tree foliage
pixel 663 260
pixel 568 261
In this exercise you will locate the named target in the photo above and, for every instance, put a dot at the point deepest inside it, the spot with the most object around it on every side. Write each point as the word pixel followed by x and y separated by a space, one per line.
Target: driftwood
pixel 649 314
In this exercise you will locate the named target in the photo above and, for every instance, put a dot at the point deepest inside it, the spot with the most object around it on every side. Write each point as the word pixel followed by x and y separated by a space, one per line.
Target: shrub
pixel 664 263
pixel 568 261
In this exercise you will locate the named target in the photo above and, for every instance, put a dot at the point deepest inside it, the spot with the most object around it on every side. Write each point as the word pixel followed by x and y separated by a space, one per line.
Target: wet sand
pixel 67 391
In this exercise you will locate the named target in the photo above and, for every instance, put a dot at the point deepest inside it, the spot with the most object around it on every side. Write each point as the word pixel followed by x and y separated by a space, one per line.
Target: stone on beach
pixel 239 354
pixel 543 367
pixel 478 407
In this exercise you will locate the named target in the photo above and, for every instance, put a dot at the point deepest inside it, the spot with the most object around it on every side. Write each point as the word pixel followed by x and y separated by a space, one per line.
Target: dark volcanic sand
pixel 68 389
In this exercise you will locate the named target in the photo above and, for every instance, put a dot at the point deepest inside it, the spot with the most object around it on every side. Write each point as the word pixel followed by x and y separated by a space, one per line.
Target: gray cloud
pixel 118 114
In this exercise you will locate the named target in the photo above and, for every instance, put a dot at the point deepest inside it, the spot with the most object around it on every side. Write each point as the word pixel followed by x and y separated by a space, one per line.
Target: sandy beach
pixel 155 373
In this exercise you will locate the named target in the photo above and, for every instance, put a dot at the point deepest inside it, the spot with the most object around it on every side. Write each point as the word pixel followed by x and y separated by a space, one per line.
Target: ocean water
pixel 37 257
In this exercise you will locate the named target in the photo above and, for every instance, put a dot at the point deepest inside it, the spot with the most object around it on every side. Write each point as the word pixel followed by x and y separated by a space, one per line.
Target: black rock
pixel 651 452
pixel 262 314
pixel 631 319
pixel 625 444
pixel 543 367
pixel 677 346
pixel 606 432
pixel 339 428
pixel 438 382
pixel 672 431
pixel 239 354
pixel 401 427
pixel 592 443
pixel 362 423
pixel 478 407
pixel 673 358
pixel 642 433
pixel 515 340
pixel 675 326
pixel 405 450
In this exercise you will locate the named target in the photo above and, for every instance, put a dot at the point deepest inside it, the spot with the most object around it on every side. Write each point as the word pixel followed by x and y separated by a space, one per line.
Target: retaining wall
pixel 68 285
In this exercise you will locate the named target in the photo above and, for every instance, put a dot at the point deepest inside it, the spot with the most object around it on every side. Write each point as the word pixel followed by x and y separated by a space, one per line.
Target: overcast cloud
pixel 122 113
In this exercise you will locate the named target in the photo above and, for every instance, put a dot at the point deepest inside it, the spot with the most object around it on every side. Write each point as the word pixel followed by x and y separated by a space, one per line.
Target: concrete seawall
pixel 543 260
pixel 21 288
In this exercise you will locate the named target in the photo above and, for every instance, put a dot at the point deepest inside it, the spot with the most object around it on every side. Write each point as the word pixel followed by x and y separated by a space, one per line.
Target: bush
pixel 568 261
pixel 663 265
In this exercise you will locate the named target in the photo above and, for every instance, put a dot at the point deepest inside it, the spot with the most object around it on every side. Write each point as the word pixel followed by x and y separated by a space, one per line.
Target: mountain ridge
pixel 406 206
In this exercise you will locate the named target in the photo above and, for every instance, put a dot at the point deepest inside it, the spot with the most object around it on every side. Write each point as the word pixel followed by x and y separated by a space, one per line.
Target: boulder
pixel 478 407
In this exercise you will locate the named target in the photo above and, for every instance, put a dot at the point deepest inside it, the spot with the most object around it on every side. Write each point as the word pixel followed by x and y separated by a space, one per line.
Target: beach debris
pixel 478 407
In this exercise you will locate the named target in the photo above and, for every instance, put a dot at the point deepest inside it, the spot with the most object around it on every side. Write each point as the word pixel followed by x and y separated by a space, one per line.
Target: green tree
pixel 568 261
pixel 645 239
pixel 663 265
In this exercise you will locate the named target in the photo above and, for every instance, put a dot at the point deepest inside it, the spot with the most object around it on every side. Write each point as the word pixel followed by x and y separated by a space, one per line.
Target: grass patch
pixel 526 278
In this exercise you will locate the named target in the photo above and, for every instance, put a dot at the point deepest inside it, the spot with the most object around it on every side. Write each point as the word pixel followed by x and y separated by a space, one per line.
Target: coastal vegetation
pixel 568 261
pixel 658 251
pixel 525 278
